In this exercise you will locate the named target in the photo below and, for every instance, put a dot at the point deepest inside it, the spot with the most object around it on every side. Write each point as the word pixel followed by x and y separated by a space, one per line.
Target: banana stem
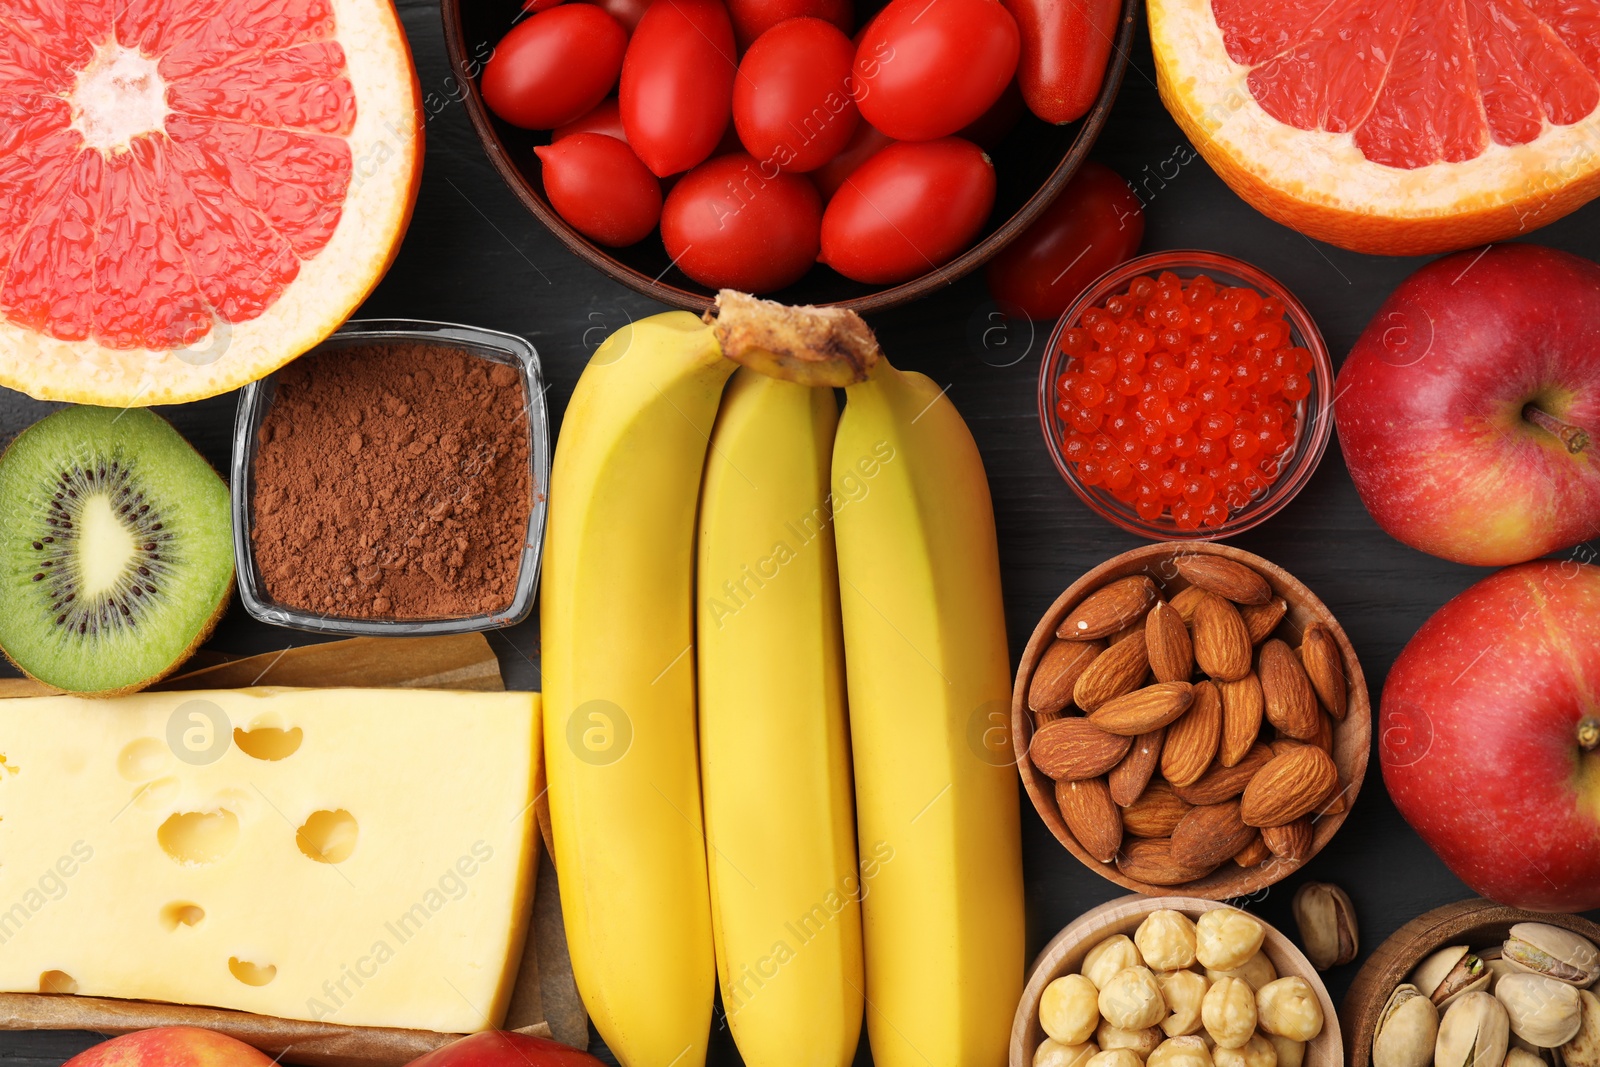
pixel 813 346
pixel 1574 438
pixel 1589 733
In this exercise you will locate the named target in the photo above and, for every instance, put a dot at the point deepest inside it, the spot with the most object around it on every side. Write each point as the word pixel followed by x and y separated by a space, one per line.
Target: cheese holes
pixel 328 836
pixel 196 837
pixel 182 913
pixel 57 982
pixel 142 760
pixel 256 974
pixel 268 742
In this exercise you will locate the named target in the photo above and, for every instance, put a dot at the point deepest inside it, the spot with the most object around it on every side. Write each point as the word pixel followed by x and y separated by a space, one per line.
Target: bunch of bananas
pixel 773 649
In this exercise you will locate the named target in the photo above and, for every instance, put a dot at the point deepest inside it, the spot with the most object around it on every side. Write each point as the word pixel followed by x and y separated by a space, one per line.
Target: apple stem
pixel 1575 438
pixel 1589 733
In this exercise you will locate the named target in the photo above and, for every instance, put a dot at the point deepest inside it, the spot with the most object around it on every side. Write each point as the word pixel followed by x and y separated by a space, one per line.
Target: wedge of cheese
pixel 346 855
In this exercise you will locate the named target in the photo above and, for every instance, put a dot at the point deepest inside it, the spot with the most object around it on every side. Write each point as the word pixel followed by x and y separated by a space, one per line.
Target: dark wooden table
pixel 474 256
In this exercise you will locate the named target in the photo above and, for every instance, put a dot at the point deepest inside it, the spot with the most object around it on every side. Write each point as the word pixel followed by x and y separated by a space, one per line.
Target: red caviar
pixel 1182 399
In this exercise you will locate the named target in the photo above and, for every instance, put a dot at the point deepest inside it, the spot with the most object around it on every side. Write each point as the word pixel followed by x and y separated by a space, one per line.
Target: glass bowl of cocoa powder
pixel 391 482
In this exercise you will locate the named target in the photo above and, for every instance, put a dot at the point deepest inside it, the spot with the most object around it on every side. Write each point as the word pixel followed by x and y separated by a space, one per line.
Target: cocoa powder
pixel 393 481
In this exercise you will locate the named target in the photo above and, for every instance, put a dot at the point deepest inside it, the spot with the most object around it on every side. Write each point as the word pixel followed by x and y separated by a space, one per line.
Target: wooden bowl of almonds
pixel 1476 982
pixel 1173 982
pixel 1189 718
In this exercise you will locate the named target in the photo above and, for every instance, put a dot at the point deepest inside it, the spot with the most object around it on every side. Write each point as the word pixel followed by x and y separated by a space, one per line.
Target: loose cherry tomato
pixel 990 128
pixel 791 102
pixel 554 67
pixel 1095 223
pixel 1064 51
pixel 627 12
pixel 865 143
pixel 735 223
pixel 752 18
pixel 677 83
pixel 596 183
pixel 605 118
pixel 926 68
pixel 908 210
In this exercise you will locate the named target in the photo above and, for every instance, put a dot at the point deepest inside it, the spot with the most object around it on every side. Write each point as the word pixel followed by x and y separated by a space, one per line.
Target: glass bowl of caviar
pixel 1185 395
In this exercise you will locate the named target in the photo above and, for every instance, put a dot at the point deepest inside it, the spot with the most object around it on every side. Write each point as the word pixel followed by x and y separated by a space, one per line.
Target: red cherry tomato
pixel 993 125
pixel 1064 51
pixel 596 183
pixel 791 102
pixel 733 223
pixel 1095 223
pixel 909 209
pixel 752 18
pixel 554 67
pixel 865 143
pixel 605 118
pixel 677 83
pixel 926 68
pixel 627 12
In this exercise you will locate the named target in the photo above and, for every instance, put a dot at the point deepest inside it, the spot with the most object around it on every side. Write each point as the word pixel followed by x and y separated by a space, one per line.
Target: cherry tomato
pixel 627 12
pixel 990 128
pixel 605 118
pixel 792 103
pixel 908 210
pixel 554 67
pixel 596 183
pixel 1064 51
pixel 1095 223
pixel 926 68
pixel 752 18
pixel 865 143
pixel 677 83
pixel 734 223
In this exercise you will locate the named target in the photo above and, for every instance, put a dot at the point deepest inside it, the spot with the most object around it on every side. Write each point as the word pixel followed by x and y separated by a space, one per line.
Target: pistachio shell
pixel 1406 1030
pixel 1450 972
pixel 1474 1032
pixel 1521 1057
pixel 1553 952
pixel 1584 1049
pixel 1543 1012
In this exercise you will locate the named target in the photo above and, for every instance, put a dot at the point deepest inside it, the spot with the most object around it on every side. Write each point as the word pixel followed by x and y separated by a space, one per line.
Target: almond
pixel 1192 740
pixel 1167 644
pixel 1221 640
pixel 1241 717
pixel 1289 701
pixel 1127 632
pixel 1094 820
pixel 1289 786
pixel 1210 835
pixel 1224 577
pixel 1073 748
pixel 1156 813
pixel 1117 670
pixel 1323 738
pixel 1129 779
pixel 1109 608
pixel 1150 860
pixel 1254 854
pixel 1338 799
pixel 1224 783
pixel 1324 665
pixel 1058 671
pixel 1145 709
pixel 1185 600
pixel 1262 619
pixel 1291 841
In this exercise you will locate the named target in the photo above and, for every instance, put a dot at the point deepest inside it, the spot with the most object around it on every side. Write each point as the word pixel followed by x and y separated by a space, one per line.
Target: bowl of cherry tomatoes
pixel 813 151
pixel 1186 395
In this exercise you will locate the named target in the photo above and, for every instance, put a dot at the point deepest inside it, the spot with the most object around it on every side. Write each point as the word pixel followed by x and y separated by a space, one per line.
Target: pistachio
pixel 1544 1012
pixel 1166 940
pixel 1226 938
pixel 1449 973
pixel 1132 1000
pixel 1548 1056
pixel 1255 972
pixel 1553 952
pixel 1475 1032
pixel 1115 953
pixel 1052 1053
pixel 1184 992
pixel 1406 1030
pixel 1257 1052
pixel 1584 1049
pixel 1069 1009
pixel 1229 1012
pixel 1497 965
pixel 1140 1042
pixel 1327 921
pixel 1180 1052
pixel 1291 1053
pixel 1114 1057
pixel 1289 1007
pixel 1521 1057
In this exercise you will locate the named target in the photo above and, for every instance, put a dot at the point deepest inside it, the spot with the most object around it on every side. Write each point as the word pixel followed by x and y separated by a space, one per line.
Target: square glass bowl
pixel 1314 428
pixel 256 399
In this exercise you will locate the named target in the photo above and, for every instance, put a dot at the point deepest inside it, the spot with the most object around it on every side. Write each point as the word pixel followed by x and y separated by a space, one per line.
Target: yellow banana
pixel 929 682
pixel 774 746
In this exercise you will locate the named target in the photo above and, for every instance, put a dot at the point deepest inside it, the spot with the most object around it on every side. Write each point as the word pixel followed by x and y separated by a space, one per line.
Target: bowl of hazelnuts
pixel 1173 982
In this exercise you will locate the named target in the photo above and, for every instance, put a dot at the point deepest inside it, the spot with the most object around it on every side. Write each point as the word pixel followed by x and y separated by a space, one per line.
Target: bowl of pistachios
pixel 1174 982
pixel 1475 984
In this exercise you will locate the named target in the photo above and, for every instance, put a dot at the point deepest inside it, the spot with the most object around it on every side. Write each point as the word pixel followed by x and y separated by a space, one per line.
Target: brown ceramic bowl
pixel 1476 923
pixel 1065 952
pixel 1032 165
pixel 1351 738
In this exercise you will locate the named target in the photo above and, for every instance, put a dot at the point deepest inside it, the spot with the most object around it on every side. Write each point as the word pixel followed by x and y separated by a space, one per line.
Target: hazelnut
pixel 1117 1057
pixel 1132 1000
pixel 1256 972
pixel 1068 1010
pixel 1291 1053
pixel 1229 1012
pixel 1052 1053
pixel 1257 1052
pixel 1180 1052
pixel 1166 940
pixel 1115 953
pixel 1184 992
pixel 1225 938
pixel 1140 1042
pixel 1289 1008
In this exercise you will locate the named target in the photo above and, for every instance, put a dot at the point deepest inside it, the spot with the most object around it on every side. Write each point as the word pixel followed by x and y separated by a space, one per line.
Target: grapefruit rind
pixel 386 154
pixel 1320 184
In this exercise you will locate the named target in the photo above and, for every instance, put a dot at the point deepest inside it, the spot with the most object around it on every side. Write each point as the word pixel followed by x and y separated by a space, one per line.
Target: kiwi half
pixel 116 550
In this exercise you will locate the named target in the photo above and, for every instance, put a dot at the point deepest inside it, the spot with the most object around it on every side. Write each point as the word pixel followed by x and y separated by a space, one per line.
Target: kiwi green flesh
pixel 116 549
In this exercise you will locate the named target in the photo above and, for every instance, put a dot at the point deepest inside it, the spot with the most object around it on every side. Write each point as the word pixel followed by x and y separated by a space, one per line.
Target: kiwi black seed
pixel 117 555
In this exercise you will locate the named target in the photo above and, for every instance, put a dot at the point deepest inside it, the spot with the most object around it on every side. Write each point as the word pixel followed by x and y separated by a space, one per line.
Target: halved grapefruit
pixel 193 192
pixel 1391 126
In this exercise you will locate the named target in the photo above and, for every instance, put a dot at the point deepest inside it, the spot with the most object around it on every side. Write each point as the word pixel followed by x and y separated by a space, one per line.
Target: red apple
pixel 1488 733
pixel 505 1048
pixel 171 1046
pixel 1466 408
